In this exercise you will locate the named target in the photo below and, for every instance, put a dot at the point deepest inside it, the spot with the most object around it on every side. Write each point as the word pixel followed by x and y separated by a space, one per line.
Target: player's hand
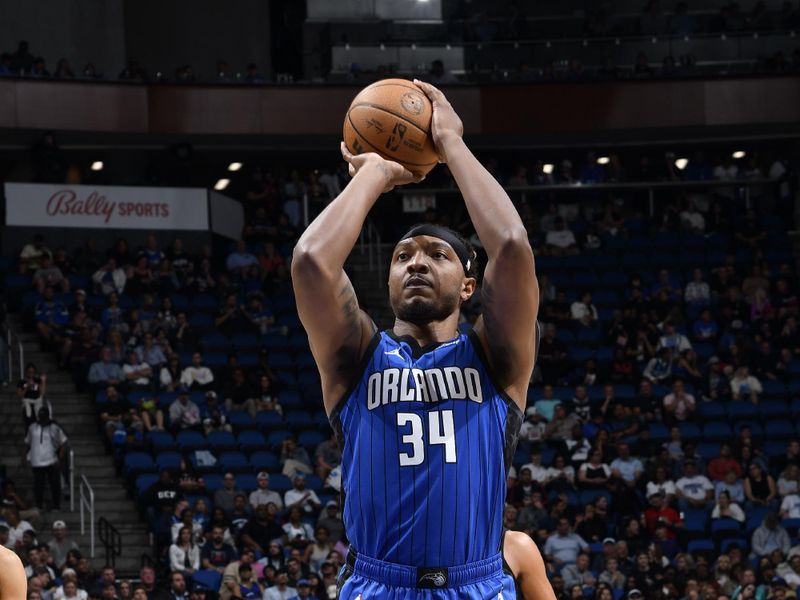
pixel 394 173
pixel 446 124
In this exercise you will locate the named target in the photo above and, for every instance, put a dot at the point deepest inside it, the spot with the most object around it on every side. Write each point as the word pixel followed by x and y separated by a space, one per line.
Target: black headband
pixel 446 235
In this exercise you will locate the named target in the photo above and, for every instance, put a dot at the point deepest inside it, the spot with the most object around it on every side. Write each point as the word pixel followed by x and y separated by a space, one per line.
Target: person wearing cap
pixel 330 520
pixel 197 376
pixel 304 590
pixel 634 594
pixel 183 413
pixel 60 544
pixel 69 578
pixel 214 414
pixel 693 489
pixel 533 427
pixel 263 495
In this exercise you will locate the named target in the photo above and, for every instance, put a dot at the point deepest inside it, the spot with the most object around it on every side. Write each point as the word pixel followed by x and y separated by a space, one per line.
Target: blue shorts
pixel 364 578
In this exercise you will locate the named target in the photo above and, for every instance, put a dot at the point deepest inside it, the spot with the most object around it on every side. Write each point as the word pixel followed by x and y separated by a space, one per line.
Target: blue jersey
pixel 427 440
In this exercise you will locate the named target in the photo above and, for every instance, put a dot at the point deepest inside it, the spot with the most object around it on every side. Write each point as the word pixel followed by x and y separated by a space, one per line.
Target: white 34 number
pixel 440 431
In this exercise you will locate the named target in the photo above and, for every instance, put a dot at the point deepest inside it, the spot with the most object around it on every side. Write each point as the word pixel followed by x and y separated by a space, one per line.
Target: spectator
pixel 744 386
pixel 562 424
pixel 705 328
pixel 116 414
pixel 562 546
pixel 197 375
pixel 261 529
pixel 32 255
pixel 697 293
pixel 789 481
pixel 224 497
pixel 52 317
pixel 109 278
pixel 230 577
pixel 693 490
pixel 719 467
pixel 241 395
pixel 281 589
pixel 49 275
pixel 676 342
pixel 560 241
pixel 679 405
pixel 578 573
pixel 770 536
pixel 46 447
pixel 626 467
pixel 294 458
pixel 759 487
pixel 249 588
pixel 662 484
pixel 661 514
pixel 216 554
pixel 327 456
pixel 137 373
pixel 264 495
pixel 612 575
pixel 170 375
pixel 659 368
pixel 726 509
pixel 594 474
pixel 301 497
pixel 583 311
pixel 183 413
pixel 31 392
pixel 184 554
pixel 151 353
pixel 240 260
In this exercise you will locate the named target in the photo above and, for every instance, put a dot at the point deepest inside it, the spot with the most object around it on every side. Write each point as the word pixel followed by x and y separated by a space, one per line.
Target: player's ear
pixel 468 288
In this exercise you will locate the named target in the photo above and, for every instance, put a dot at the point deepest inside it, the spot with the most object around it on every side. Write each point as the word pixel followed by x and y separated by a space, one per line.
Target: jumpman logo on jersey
pixel 395 352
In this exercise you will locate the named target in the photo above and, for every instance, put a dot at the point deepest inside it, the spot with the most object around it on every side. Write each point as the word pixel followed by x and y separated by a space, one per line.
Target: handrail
pixel 10 337
pixel 111 539
pixel 87 503
pixel 71 468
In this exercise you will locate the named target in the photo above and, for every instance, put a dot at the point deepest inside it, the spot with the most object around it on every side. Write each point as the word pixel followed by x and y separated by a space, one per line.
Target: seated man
pixel 197 376
pixel 137 374
pixel 104 372
pixel 51 317
pixel 183 413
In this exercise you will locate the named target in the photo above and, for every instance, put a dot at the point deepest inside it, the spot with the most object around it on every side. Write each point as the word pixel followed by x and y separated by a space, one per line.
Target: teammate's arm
pixel 527 565
pixel 13 583
pixel 510 292
pixel 338 330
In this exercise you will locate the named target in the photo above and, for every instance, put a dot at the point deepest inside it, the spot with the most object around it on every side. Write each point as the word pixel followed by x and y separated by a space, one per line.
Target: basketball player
pixel 13 583
pixel 428 417
pixel 523 561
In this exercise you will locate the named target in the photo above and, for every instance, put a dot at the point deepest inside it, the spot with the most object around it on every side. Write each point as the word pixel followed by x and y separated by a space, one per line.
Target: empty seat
pixel 298 420
pixel 219 441
pixel 269 420
pixel 264 461
pixel 168 461
pixel 716 431
pixel 190 440
pixel 136 463
pixel 251 441
pixel 779 429
pixel 233 461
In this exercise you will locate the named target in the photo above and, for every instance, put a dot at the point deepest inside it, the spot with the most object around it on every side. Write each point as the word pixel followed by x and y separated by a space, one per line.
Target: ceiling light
pixel 221 184
pixel 681 163
pixel 547 168
pixel 97 165
pixel 738 154
pixel 603 160
pixel 234 166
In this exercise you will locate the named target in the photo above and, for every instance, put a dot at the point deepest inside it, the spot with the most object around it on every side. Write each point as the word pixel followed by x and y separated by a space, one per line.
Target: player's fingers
pixel 432 92
pixel 345 152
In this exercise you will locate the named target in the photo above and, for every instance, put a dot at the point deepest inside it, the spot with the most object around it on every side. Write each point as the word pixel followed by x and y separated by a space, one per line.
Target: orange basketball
pixel 393 118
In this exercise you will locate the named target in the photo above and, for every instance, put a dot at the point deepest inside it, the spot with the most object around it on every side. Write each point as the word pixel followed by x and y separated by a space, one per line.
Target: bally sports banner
pixel 112 207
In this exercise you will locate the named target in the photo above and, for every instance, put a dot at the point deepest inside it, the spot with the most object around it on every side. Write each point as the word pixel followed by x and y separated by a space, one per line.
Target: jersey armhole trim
pixel 362 366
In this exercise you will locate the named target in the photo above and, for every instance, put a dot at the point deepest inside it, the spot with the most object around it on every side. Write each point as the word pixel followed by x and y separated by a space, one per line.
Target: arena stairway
pixel 75 413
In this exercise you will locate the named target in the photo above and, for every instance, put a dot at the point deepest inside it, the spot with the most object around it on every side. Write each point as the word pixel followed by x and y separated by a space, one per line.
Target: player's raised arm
pixel 338 330
pixel 510 292
pixel 527 565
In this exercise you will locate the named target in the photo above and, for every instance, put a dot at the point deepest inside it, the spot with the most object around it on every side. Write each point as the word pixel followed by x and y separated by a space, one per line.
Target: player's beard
pixel 424 310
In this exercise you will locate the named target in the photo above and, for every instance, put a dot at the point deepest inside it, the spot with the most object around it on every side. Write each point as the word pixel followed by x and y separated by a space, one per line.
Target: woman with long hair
pixel 184 554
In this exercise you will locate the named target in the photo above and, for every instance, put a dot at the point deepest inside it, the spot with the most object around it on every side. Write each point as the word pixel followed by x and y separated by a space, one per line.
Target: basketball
pixel 392 117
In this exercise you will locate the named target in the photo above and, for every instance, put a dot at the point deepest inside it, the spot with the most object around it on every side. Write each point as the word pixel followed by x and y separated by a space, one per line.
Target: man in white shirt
pixel 264 495
pixel 136 373
pixel 307 500
pixel 790 507
pixel 561 241
pixel 626 467
pixel 697 292
pixel 677 342
pixel 197 376
pixel 183 413
pixel 281 589
pixel 538 472
pixel 16 528
pixel 45 442
pixel 583 310
pixel 532 429
pixel 693 490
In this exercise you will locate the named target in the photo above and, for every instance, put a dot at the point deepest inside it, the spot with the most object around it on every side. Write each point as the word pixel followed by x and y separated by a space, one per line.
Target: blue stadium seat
pixel 708 450
pixel 279 482
pixel 701 546
pixel 269 420
pixel 215 359
pixel 248 360
pixel 321 421
pixel 251 441
pixel 306 359
pixel 179 302
pixel 234 461
pixel 290 399
pixel 264 461
pixel 201 321
pixel 246 481
pixel 246 341
pixel 208 579
pixel 143 482
pixel 711 411
pixel 590 335
pixel 737 541
pixel 791 525
pixel 205 302
pixel 240 419
pixel 313 482
pixel 274 342
pixel 190 440
pixel 774 448
pixel 213 482
pixel 779 429
pixel 310 439
pixel 624 392
pixel 658 432
pixel 161 441
pixel 168 461
pixel 565 335
pixel 716 431
pixel 220 441
pixel 579 354
pixel 741 409
pixel 275 438
pixel 297 420
pixel 773 409
pixel 689 431
pixel 215 341
pixel 695 521
pixel 728 527
pixel 136 463
pixel 774 389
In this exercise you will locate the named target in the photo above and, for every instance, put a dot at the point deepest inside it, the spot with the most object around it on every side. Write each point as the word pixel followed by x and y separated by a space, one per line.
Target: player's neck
pixel 432 332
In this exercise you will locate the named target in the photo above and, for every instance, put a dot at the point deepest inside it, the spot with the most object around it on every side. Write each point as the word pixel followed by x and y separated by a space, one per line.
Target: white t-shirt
pixel 129 368
pixel 694 488
pixel 538 472
pixel 532 432
pixel 15 533
pixel 44 443
pixel 560 239
pixel 667 488
pixel 791 506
